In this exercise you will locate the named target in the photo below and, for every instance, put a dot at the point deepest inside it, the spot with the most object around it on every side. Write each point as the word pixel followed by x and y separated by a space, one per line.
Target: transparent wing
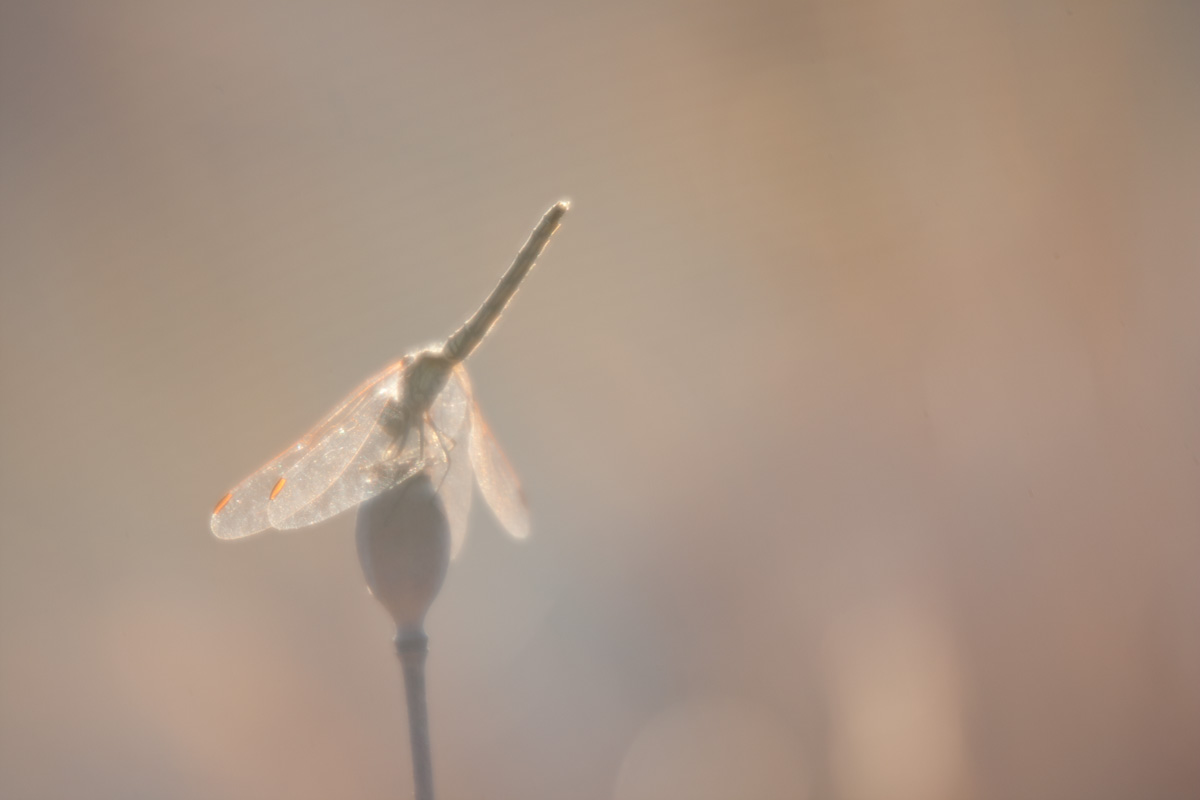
pixel 337 473
pixel 377 466
pixel 452 420
pixel 370 469
pixel 497 479
pixel 307 468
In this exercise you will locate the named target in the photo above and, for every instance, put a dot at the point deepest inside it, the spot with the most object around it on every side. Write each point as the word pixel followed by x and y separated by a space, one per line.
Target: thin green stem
pixel 413 649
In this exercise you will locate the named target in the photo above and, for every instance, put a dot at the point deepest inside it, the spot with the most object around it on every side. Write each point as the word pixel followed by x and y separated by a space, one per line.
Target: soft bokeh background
pixel 856 399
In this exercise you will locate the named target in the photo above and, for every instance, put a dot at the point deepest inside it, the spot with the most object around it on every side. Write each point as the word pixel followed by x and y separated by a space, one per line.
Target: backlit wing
pixel 497 479
pixel 454 482
pixel 305 471
pixel 371 469
pixel 377 467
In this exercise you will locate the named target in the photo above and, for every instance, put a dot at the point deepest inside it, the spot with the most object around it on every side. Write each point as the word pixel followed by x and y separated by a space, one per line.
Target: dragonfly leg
pixel 441 438
pixel 397 445
pixel 441 442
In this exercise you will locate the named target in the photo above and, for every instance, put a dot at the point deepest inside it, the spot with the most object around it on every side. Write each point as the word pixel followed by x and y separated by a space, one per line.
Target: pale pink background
pixel 857 400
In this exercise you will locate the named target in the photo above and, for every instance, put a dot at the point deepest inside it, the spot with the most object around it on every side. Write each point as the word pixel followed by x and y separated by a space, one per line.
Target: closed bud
pixel 404 547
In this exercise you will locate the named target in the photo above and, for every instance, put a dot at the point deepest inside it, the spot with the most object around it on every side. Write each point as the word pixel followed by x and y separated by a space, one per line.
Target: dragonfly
pixel 416 416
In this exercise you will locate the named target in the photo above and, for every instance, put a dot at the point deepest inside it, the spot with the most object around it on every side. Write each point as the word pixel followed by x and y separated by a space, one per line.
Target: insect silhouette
pixel 417 415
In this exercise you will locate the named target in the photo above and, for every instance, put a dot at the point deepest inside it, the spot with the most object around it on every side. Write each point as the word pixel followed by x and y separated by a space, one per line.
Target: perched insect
pixel 416 416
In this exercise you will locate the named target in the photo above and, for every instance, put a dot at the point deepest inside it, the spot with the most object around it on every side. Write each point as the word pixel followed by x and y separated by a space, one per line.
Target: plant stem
pixel 413 649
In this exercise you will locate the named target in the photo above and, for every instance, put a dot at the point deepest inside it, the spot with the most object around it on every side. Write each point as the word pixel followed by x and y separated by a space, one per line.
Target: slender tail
pixel 467 338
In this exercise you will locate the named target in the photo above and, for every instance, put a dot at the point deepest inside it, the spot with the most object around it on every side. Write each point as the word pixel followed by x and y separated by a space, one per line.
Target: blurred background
pixel 856 399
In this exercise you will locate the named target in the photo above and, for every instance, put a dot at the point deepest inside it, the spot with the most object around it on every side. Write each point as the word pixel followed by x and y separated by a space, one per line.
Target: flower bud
pixel 404 547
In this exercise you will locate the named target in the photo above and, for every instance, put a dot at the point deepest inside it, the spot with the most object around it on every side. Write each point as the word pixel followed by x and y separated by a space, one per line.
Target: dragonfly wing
pixel 323 481
pixel 250 506
pixel 497 479
pixel 243 511
pixel 376 467
pixel 451 417
pixel 452 406
pixel 371 470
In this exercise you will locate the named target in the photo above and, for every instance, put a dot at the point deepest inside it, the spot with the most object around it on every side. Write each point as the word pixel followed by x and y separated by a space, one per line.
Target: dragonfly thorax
pixel 425 375
pixel 423 380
